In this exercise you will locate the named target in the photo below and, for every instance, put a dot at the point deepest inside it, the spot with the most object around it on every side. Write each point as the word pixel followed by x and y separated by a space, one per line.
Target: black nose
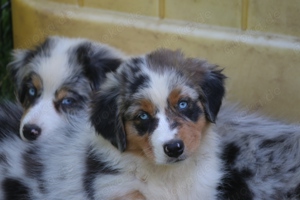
pixel 31 131
pixel 174 148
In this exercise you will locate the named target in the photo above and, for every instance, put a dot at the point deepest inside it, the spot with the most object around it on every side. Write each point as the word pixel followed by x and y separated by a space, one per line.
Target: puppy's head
pixel 54 82
pixel 159 106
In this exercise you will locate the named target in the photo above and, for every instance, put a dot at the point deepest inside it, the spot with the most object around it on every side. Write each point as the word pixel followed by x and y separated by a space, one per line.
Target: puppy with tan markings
pixel 54 84
pixel 55 80
pixel 158 109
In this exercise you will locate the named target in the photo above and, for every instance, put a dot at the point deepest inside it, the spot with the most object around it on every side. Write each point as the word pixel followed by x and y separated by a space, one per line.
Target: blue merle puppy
pixel 45 138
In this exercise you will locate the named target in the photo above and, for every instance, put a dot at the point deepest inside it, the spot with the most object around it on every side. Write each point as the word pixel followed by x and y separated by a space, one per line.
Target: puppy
pixel 54 82
pixel 158 110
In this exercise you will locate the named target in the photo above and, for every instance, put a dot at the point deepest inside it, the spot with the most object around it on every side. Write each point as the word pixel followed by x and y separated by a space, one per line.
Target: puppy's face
pixel 54 83
pixel 162 105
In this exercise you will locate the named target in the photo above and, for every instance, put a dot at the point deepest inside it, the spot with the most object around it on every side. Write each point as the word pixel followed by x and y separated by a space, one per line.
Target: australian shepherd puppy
pixel 54 82
pixel 157 110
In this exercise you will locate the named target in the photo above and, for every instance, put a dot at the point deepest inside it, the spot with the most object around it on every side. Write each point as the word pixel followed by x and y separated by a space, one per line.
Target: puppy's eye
pixel 31 91
pixel 67 101
pixel 144 116
pixel 182 105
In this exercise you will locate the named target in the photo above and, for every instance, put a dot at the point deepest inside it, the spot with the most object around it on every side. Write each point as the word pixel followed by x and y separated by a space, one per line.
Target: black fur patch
pixel 134 65
pixel 106 119
pixel 10 116
pixel 132 78
pixel 140 81
pixel 233 185
pixel 272 142
pixel 94 167
pixel 294 194
pixel 231 151
pixel 146 126
pixel 15 190
pixel 33 167
pixel 193 111
pixel 96 63
pixel 213 88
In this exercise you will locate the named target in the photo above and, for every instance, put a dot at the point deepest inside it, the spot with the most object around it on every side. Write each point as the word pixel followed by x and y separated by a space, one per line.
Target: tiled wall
pixel 273 16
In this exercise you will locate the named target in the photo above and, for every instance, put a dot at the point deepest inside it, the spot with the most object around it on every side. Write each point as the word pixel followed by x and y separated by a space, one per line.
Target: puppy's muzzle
pixel 174 148
pixel 31 131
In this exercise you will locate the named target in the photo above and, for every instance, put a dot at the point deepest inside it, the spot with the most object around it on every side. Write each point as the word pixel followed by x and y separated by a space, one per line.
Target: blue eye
pixel 32 91
pixel 67 101
pixel 182 105
pixel 144 116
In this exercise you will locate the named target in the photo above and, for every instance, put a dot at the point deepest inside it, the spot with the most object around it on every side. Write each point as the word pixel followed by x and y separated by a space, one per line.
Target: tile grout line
pixel 80 3
pixel 161 9
pixel 244 21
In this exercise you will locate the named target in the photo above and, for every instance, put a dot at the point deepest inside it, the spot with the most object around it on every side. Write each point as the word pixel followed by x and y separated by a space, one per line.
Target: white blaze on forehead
pixel 53 72
pixel 158 93
pixel 55 69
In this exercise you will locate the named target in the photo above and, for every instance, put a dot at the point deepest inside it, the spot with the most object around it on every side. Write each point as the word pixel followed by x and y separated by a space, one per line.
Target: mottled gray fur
pixel 263 154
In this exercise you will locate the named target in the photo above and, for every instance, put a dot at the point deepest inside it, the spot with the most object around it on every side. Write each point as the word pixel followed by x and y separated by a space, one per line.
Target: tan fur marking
pixel 191 134
pixel 139 145
pixel 136 195
pixel 61 94
pixel 147 106
pixel 174 97
pixel 36 81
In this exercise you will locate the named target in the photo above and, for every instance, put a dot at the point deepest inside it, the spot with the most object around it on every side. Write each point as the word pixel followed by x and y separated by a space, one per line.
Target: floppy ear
pixel 97 60
pixel 19 59
pixel 106 117
pixel 211 81
pixel 214 91
pixel 17 69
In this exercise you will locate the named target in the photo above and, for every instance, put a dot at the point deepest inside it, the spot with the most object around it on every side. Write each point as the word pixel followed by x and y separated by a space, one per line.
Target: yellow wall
pixel 257 42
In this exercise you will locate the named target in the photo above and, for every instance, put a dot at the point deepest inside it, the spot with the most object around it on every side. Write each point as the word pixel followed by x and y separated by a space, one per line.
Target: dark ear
pixel 106 117
pixel 17 69
pixel 19 59
pixel 97 60
pixel 213 87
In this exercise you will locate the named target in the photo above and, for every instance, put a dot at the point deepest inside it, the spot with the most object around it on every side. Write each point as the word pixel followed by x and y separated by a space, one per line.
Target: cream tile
pixel 214 12
pixel 143 7
pixel 275 16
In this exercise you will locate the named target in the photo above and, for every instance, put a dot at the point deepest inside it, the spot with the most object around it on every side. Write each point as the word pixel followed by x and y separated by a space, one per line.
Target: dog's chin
pixel 172 161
